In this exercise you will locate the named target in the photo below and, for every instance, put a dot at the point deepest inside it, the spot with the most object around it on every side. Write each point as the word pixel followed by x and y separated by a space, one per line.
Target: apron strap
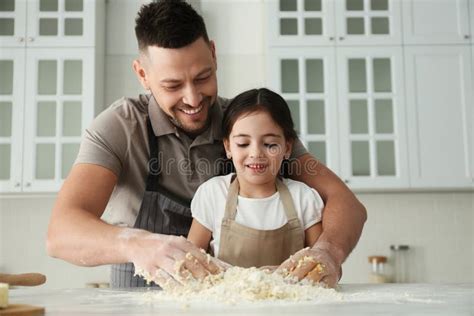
pixel 233 194
pixel 287 200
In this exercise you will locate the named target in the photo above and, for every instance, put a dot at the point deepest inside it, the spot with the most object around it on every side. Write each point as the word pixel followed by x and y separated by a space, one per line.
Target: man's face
pixel 183 82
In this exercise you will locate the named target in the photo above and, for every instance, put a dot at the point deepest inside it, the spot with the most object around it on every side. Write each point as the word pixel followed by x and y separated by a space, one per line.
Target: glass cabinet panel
pixel 73 27
pixel 7 26
pixel 288 26
pixel 5 119
pixel 314 75
pixel 382 75
pixel 48 27
pixel 386 158
pixel 72 118
pixel 74 5
pixel 312 5
pixel 357 75
pixel 359 117
pixel 46 119
pixel 383 116
pixel 354 5
pixel 48 5
pixel 379 5
pixel 6 77
pixel 47 77
pixel 7 5
pixel 360 158
pixel 5 157
pixel 288 5
pixel 289 75
pixel 313 26
pixel 45 161
pixel 316 118
pixel 72 79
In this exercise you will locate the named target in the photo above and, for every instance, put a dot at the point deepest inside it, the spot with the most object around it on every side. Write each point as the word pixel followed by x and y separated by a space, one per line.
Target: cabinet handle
pixel 17 185
pixel 28 184
pixel 331 38
pixel 341 38
pixel 467 36
pixel 31 39
pixel 346 181
pixel 21 39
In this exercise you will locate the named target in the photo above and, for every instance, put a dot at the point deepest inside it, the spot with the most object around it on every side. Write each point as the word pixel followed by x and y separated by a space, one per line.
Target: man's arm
pixel 343 219
pixel 78 235
pixel 343 216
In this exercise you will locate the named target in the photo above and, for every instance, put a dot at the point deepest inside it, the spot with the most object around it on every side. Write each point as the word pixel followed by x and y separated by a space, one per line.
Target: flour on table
pixel 245 284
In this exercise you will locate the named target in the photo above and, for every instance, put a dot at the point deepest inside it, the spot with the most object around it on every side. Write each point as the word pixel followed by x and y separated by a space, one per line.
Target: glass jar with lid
pixel 400 263
pixel 378 273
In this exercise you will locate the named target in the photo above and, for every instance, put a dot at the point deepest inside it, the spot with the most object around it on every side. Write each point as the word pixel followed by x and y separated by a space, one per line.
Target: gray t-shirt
pixel 118 140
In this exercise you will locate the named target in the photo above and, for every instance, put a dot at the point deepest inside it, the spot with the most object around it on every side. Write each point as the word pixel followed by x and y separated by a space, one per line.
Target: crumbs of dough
pixel 245 284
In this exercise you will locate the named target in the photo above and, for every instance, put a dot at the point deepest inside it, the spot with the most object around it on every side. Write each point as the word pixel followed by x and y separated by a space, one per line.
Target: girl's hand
pixel 318 264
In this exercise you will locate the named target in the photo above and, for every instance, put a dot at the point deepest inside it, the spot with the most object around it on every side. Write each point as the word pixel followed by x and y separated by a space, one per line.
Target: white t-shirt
pixel 208 207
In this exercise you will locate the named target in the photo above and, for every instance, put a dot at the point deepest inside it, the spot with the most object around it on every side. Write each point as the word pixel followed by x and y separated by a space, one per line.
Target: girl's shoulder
pixel 300 189
pixel 222 182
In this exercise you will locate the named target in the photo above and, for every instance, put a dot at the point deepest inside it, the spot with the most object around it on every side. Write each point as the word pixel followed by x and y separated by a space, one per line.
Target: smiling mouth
pixel 193 111
pixel 256 166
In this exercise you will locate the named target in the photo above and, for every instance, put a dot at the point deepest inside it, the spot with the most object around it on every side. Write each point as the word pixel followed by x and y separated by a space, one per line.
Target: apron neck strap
pixel 233 194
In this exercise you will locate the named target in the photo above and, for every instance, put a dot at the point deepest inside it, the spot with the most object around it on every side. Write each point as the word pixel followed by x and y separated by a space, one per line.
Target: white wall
pixel 438 226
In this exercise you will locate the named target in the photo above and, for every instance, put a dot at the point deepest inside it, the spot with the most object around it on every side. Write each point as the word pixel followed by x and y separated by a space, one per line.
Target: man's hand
pixel 167 260
pixel 318 264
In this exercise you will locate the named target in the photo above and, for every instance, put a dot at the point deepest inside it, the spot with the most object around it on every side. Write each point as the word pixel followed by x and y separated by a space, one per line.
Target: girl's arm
pixel 199 235
pixel 312 234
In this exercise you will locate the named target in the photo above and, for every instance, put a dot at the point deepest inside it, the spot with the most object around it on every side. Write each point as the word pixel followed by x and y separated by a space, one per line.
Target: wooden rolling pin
pixel 26 279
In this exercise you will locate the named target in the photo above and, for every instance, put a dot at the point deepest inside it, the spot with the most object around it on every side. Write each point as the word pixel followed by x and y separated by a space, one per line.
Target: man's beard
pixel 193 132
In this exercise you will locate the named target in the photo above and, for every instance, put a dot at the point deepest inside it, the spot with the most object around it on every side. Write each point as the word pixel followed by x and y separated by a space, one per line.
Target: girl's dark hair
pixel 259 100
pixel 168 24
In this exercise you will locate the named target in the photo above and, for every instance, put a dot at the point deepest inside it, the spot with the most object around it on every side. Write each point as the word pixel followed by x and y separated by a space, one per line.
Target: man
pixel 142 160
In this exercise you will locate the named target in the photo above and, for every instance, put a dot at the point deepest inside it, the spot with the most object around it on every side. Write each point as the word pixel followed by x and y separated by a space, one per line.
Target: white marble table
pixel 357 299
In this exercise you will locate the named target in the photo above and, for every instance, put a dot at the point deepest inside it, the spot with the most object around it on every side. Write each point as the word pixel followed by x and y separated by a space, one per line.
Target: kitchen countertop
pixel 356 299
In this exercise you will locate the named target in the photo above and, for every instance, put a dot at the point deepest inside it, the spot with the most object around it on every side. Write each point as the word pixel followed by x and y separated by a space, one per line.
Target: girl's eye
pixel 242 145
pixel 271 145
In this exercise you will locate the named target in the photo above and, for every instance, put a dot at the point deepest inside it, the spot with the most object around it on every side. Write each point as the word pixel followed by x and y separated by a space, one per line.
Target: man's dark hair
pixel 168 24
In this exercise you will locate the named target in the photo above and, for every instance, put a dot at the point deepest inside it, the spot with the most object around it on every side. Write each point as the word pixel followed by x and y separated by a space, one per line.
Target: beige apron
pixel 248 247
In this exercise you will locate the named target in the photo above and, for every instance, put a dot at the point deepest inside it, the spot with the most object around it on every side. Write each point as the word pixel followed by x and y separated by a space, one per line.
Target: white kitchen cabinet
pixel 306 78
pixel 59 107
pixel 301 22
pixel 440 102
pixel 12 77
pixel 50 86
pixel 371 102
pixel 328 22
pixel 48 23
pixel 368 22
pixel 436 22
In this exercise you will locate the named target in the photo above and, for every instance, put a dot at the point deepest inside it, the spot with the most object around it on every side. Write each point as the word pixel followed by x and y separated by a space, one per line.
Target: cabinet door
pixel 306 79
pixel 12 23
pixel 440 104
pixel 436 21
pixel 372 115
pixel 300 22
pixel 368 22
pixel 59 105
pixel 61 23
pixel 12 71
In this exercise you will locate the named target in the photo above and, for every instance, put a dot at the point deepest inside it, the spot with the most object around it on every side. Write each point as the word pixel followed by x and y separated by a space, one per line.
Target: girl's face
pixel 257 146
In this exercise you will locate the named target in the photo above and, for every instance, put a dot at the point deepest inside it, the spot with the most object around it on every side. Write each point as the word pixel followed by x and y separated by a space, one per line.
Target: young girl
pixel 254 217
